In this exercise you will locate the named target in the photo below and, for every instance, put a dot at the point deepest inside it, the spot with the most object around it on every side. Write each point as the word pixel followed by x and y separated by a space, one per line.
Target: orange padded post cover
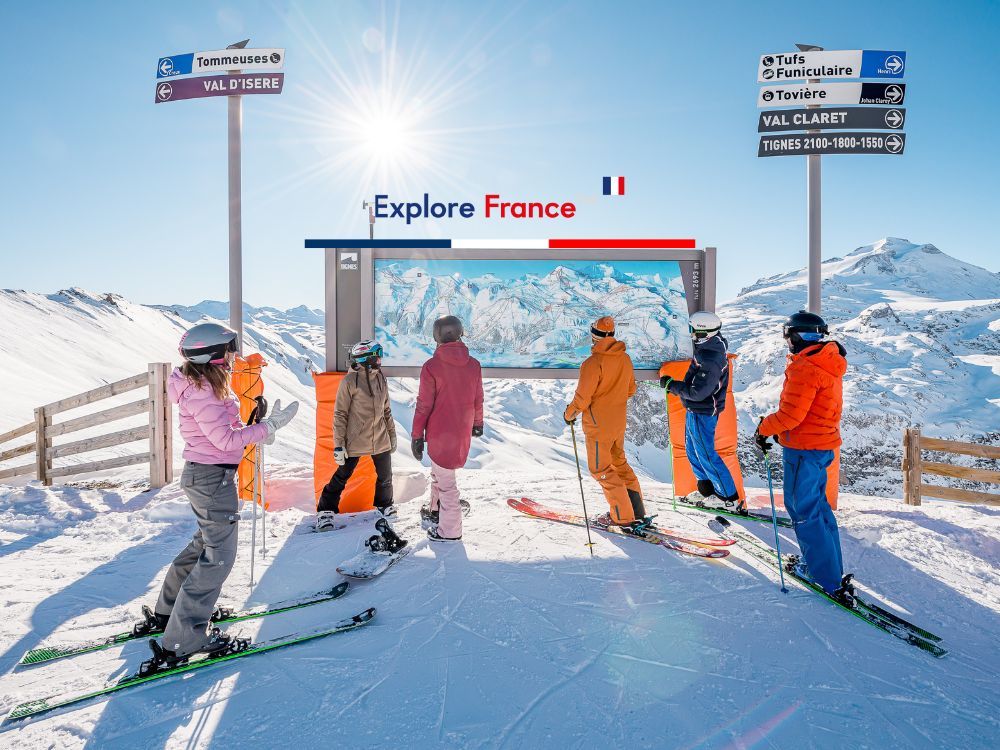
pixel 247 384
pixel 725 433
pixel 360 491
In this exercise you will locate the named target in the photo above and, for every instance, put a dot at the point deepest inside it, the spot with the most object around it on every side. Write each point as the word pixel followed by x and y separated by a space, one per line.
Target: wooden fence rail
pixel 914 467
pixel 158 431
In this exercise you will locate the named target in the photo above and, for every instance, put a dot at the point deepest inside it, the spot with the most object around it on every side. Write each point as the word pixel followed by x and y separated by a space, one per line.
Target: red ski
pixel 696 547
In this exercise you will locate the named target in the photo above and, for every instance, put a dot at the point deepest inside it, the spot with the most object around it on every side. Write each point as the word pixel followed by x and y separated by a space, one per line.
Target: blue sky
pixel 535 101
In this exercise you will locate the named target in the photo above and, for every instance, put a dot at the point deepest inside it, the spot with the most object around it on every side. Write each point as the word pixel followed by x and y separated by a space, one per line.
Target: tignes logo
pixel 348 261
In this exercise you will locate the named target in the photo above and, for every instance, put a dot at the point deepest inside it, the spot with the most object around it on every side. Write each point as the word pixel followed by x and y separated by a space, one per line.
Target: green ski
pixel 44 705
pixel 44 654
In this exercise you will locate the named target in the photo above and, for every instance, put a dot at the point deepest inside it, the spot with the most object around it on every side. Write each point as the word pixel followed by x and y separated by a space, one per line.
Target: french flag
pixel 614 186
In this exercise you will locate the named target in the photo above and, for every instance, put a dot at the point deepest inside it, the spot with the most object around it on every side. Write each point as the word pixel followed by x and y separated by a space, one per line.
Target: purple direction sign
pixel 235 85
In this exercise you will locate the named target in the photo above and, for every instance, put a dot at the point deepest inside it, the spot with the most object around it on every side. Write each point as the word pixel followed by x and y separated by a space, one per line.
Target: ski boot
pixel 639 526
pixel 431 516
pixel 218 644
pixel 152 623
pixel 386 540
pixel 433 535
pixel 603 521
pixel 845 594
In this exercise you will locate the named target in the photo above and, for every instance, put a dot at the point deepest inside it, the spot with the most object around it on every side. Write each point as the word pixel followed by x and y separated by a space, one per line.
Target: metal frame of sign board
pixel 362 294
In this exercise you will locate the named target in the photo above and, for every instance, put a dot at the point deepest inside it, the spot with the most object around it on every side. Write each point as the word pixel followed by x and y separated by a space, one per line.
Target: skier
pixel 362 426
pixel 607 382
pixel 807 427
pixel 449 414
pixel 703 393
pixel 214 439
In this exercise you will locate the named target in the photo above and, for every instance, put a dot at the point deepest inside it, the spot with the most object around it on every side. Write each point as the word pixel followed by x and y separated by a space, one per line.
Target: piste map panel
pixel 531 314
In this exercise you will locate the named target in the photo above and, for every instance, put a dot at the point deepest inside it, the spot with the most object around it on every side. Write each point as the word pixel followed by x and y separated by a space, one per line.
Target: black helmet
pixel 804 328
pixel 208 343
pixel 448 329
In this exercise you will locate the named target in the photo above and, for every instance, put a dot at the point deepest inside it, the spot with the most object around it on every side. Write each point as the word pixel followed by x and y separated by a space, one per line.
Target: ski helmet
pixel 448 329
pixel 365 354
pixel 603 327
pixel 804 328
pixel 208 343
pixel 703 325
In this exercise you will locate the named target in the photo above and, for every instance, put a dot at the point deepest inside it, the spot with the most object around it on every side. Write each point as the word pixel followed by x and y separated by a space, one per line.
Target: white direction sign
pixel 220 61
pixel 831 93
pixel 844 63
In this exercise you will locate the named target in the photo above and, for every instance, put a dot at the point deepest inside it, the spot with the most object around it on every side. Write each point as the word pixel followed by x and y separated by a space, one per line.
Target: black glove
pixel 417 448
pixel 761 440
pixel 665 381
pixel 477 430
pixel 569 420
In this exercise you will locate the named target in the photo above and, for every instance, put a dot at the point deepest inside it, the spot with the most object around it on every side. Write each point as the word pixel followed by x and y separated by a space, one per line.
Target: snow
pixel 519 637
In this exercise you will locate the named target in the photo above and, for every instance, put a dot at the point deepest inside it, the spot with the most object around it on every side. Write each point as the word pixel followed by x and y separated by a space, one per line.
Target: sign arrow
pixel 164 90
pixel 893 118
pixel 894 93
pixel 166 65
pixel 894 64
pixel 894 144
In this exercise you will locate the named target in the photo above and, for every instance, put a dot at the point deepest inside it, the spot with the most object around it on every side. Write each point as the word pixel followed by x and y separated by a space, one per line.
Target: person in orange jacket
pixel 607 382
pixel 807 427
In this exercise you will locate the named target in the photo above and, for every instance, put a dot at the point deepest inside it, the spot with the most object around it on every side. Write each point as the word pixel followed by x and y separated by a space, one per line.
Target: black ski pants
pixel 330 498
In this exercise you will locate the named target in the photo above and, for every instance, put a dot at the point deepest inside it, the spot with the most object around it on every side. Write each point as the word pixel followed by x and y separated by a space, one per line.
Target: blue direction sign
pixel 882 64
pixel 175 65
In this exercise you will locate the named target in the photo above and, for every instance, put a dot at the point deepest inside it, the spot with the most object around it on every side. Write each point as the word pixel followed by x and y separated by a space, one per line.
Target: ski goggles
pixel 702 333
pixel 374 353
pixel 787 331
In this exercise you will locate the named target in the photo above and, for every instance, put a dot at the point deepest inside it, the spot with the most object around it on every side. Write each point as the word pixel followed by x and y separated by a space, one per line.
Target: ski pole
pixel 774 520
pixel 263 506
pixel 579 475
pixel 253 501
pixel 670 451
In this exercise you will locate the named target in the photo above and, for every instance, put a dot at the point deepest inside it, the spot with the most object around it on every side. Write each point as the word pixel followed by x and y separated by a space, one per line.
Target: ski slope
pixel 518 638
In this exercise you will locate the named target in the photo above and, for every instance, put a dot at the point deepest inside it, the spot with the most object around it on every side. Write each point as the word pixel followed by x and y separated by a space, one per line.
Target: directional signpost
pixel 831 118
pixel 831 93
pixel 170 87
pixel 795 78
pixel 800 144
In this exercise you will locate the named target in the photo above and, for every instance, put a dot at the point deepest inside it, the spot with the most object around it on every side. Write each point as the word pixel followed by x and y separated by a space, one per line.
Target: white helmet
pixel 703 325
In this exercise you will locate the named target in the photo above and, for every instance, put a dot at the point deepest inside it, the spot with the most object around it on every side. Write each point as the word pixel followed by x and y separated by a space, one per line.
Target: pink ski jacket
pixel 212 429
pixel 449 403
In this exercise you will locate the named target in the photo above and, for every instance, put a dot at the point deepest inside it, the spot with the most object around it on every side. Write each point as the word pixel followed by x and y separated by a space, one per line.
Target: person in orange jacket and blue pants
pixel 807 427
pixel 607 382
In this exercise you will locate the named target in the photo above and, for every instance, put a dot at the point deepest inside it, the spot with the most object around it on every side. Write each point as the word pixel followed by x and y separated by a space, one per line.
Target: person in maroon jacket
pixel 449 414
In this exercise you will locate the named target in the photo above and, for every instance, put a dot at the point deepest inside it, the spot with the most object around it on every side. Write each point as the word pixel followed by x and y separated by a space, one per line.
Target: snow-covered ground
pixel 518 638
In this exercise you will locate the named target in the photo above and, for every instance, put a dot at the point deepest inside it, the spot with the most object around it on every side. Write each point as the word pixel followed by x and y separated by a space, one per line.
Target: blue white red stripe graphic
pixel 614 186
pixel 550 244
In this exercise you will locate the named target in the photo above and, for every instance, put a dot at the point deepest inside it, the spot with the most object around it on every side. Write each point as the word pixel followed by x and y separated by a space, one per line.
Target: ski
pixel 749 515
pixel 44 705
pixel 899 628
pixel 44 654
pixel 697 548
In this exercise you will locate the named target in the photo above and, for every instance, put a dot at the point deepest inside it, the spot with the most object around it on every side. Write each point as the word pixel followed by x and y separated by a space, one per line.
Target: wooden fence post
pixel 41 444
pixel 911 466
pixel 168 427
pixel 156 474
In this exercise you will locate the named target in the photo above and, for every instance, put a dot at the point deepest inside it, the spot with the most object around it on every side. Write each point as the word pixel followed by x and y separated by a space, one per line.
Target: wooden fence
pixel 914 467
pixel 158 431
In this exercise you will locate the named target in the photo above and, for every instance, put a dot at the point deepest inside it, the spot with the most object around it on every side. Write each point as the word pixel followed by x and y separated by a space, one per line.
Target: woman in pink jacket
pixel 449 414
pixel 214 439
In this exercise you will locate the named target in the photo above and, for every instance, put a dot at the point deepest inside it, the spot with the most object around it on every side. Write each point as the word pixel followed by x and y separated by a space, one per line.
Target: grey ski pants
pixel 194 580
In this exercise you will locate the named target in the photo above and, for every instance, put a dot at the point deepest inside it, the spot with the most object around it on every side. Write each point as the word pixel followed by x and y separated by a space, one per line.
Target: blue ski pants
pixel 814 522
pixel 706 463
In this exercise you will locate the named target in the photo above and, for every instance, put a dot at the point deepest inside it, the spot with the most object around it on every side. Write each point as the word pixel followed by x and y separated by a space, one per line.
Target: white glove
pixel 340 456
pixel 279 418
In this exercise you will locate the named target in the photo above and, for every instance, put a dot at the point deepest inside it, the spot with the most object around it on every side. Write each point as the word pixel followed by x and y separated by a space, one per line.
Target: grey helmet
pixel 367 354
pixel 208 343
pixel 448 329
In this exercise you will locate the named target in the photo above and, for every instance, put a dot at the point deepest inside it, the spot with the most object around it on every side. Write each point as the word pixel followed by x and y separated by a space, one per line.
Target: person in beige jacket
pixel 362 426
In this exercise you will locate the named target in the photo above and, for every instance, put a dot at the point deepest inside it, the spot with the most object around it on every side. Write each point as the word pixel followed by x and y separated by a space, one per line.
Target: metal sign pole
pixel 236 210
pixel 814 200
